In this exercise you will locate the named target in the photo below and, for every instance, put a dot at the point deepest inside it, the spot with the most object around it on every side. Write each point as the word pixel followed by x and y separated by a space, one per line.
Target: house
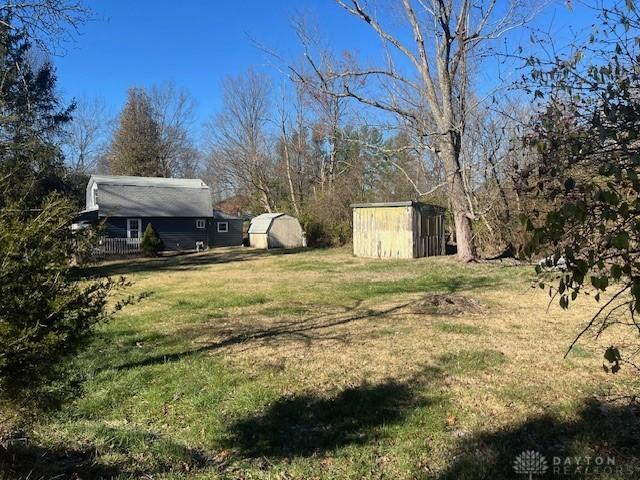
pixel 398 230
pixel 226 230
pixel 179 209
pixel 276 230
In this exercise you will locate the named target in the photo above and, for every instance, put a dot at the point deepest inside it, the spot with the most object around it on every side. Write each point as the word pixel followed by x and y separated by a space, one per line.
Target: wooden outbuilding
pixel 398 230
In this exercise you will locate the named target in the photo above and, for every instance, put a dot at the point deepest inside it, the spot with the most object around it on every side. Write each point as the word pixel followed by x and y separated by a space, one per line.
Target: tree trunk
pixel 461 215
pixel 287 159
pixel 264 200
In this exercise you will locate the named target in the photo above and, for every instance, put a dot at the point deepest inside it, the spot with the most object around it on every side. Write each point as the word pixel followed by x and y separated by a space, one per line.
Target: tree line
pixel 324 131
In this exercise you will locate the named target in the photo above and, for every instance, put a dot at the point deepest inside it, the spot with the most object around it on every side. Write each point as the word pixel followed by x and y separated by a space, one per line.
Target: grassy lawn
pixel 315 364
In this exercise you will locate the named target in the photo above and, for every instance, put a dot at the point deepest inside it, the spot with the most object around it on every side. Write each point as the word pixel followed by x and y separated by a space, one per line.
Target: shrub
pixel 327 222
pixel 151 243
pixel 589 163
pixel 46 311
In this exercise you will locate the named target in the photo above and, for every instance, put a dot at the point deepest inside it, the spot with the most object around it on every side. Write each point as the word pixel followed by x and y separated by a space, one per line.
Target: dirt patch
pixel 443 304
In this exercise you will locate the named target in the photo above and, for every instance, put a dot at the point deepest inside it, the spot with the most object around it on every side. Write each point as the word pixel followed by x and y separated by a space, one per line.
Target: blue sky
pixel 195 43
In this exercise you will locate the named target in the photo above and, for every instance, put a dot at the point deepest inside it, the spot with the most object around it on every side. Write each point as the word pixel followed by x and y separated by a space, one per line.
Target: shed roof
pixel 407 203
pixel 125 196
pixel 261 223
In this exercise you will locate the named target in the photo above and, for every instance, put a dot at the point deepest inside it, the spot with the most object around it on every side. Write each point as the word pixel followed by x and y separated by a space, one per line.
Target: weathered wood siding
pixel 428 228
pixel 383 232
pixel 398 231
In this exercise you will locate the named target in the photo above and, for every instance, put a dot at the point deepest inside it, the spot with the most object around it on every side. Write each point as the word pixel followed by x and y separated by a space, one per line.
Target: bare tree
pixel 86 138
pixel 286 141
pixel 46 23
pixel 237 136
pixel 434 97
pixel 173 109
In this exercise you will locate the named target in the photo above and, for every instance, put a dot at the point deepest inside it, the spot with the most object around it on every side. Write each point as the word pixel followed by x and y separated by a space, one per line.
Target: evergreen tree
pixel 151 243
pixel 137 143
pixel 31 121
pixel 46 309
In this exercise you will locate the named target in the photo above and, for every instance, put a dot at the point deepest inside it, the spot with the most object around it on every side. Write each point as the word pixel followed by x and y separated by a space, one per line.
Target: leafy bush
pixel 151 243
pixel 326 234
pixel 589 150
pixel 327 222
pixel 46 311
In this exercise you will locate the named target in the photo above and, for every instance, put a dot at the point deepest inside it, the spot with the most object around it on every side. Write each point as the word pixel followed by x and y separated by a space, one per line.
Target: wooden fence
pixel 117 246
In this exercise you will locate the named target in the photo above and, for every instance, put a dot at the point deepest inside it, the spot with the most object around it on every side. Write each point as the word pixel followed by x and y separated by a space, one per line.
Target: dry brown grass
pixel 320 322
pixel 334 345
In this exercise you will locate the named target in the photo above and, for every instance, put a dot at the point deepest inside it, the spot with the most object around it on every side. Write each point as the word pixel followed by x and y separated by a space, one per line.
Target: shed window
pixel 200 223
pixel 223 227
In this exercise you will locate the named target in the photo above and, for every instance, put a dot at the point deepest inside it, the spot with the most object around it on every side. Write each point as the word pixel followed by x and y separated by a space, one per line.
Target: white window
pixel 200 223
pixel 223 227
pixel 134 228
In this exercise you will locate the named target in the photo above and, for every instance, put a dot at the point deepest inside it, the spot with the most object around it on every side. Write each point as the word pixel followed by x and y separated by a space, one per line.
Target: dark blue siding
pixel 226 239
pixel 176 233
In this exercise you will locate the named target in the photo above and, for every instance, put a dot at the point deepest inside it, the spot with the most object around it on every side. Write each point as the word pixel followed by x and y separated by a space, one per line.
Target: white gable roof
pixel 148 181
pixel 261 223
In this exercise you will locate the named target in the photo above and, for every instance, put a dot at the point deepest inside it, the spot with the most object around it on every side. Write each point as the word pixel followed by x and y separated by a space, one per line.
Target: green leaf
pixel 621 241
pixel 612 354
pixel 616 272
pixel 564 302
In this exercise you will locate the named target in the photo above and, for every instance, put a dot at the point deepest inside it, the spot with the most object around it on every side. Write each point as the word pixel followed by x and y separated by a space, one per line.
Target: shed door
pixel 430 235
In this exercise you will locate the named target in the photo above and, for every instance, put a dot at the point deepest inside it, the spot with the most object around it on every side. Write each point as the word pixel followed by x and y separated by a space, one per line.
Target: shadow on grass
pixel 183 261
pixel 600 430
pixel 308 425
pixel 22 459
pixel 449 283
pixel 310 328
pixel 307 329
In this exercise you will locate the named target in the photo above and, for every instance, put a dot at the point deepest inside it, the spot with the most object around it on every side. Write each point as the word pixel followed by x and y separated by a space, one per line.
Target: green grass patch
pixel 445 282
pixel 470 361
pixel 311 364
pixel 308 266
pixel 458 328
pixel 578 352
pixel 284 310
pixel 221 301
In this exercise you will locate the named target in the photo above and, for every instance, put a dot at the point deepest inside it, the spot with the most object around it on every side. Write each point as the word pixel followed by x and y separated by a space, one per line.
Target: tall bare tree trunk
pixel 287 161
pixel 461 215
pixel 264 200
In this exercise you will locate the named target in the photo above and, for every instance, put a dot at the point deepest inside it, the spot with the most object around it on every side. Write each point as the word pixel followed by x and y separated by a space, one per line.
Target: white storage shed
pixel 276 230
